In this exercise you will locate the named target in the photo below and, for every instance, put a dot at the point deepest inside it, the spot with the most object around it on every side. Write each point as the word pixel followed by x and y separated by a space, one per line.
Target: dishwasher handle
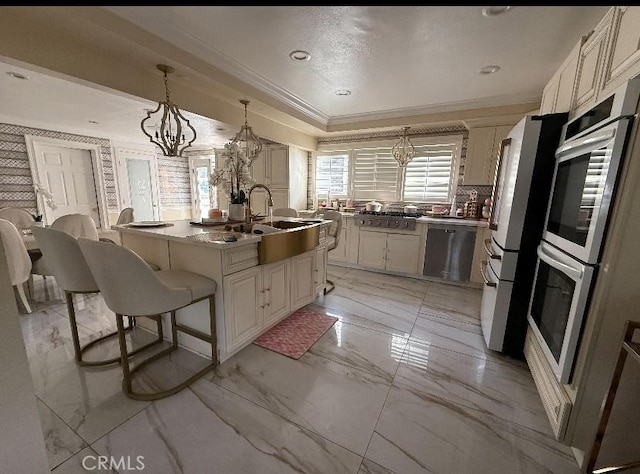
pixel 487 248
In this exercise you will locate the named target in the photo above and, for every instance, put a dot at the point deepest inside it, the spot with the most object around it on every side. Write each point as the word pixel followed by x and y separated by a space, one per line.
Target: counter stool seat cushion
pixel 198 285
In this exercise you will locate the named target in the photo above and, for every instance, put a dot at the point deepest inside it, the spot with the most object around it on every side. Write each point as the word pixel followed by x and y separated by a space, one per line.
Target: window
pixel 428 177
pixel 367 170
pixel 375 174
pixel 332 175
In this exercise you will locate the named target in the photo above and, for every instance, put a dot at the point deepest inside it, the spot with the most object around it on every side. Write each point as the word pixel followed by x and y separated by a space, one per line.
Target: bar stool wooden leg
pixel 126 383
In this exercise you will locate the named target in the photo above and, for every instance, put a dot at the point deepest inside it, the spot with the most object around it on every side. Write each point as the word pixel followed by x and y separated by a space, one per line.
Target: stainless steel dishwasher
pixel 449 251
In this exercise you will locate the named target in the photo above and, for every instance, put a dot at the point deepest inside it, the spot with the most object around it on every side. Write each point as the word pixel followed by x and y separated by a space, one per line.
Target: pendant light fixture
pixel 175 133
pixel 403 151
pixel 248 141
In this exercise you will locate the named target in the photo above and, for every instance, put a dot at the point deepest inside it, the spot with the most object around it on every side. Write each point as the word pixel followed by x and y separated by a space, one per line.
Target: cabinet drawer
pixel 555 400
pixel 239 258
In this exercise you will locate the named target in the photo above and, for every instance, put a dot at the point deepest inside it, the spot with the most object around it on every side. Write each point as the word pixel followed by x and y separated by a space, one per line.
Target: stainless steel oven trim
pixel 578 147
pixel 582 275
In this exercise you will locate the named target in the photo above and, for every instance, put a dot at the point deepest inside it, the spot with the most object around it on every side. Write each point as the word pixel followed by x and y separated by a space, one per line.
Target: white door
pixel 68 174
pixel 321 269
pixel 138 183
pixel 140 192
pixel 202 197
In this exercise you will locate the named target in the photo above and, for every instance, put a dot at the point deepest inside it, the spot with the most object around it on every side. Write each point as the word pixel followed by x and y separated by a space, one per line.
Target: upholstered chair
pixel 139 291
pixel 67 263
pixel 285 212
pixel 126 216
pixel 333 235
pixel 17 258
pixel 18 217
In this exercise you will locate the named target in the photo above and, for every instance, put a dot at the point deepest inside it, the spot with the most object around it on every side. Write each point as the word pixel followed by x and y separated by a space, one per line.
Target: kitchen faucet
pixel 270 202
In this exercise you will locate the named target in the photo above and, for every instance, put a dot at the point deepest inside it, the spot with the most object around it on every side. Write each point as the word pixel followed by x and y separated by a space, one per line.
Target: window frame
pixel 456 139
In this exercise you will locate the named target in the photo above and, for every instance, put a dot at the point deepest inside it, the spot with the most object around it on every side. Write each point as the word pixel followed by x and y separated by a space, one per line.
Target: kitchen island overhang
pixel 250 298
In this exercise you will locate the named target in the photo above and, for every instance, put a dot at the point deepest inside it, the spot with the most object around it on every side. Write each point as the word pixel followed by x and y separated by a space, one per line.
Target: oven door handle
pixel 574 273
pixel 591 142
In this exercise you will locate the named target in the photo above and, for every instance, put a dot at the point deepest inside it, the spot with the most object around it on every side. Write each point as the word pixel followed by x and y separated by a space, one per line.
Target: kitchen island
pixel 250 297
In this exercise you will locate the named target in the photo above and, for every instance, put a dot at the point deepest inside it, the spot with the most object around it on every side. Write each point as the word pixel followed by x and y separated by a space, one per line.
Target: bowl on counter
pixel 410 209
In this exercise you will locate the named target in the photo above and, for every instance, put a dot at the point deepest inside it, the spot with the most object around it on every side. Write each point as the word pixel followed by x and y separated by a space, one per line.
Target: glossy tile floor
pixel 401 383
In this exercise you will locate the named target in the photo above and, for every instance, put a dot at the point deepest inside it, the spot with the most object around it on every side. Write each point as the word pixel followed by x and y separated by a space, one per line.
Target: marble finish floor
pixel 402 383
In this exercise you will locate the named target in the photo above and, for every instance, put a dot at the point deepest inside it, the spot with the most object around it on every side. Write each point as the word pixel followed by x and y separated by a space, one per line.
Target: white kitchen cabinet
pixel 559 91
pixel 284 171
pixel 303 279
pixel 390 251
pixel 402 253
pixel 372 249
pixel 276 283
pixel 482 153
pixel 243 306
pixel 590 63
pixel 623 49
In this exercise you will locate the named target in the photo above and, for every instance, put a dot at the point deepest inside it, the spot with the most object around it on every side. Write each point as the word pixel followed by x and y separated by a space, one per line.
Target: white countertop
pixel 426 219
pixel 183 231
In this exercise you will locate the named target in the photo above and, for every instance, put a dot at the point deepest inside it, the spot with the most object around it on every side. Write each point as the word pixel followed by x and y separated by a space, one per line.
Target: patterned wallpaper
pixel 175 185
pixel 16 182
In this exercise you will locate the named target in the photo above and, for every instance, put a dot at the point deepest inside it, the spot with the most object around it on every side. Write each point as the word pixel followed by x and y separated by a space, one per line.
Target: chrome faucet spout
pixel 270 201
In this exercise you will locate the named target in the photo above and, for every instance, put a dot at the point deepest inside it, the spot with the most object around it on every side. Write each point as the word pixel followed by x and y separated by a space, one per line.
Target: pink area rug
pixel 297 333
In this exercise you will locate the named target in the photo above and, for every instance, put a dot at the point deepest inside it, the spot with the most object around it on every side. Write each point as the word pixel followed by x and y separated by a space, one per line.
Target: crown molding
pixel 496 101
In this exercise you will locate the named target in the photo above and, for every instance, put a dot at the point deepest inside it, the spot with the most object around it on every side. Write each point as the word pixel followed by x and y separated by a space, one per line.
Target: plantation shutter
pixel 428 176
pixel 376 174
pixel 332 175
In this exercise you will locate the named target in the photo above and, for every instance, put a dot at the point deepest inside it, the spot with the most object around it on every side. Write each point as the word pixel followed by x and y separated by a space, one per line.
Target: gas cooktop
pixel 391 214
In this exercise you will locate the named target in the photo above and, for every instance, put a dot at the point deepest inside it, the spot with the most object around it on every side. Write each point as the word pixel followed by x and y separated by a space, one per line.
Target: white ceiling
pixel 397 61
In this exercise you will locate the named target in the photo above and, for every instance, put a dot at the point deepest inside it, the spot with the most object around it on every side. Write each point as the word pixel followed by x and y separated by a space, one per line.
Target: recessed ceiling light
pixel 343 92
pixel 94 121
pixel 494 11
pixel 299 55
pixel 17 75
pixel 488 69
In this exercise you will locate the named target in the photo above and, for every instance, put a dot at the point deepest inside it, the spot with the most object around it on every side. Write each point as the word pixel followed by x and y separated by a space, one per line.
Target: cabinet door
pixel 258 168
pixel 243 305
pixel 259 202
pixel 402 253
pixel 372 249
pixel 549 95
pixel 567 79
pixel 302 279
pixel 500 134
pixel 280 198
pixel 320 269
pixel 590 64
pixel 278 166
pixel 623 55
pixel 275 280
pixel 339 254
pixel 480 146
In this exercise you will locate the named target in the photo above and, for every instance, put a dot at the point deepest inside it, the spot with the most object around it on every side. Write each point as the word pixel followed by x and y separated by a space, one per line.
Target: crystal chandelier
pixel 174 127
pixel 248 142
pixel 403 151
